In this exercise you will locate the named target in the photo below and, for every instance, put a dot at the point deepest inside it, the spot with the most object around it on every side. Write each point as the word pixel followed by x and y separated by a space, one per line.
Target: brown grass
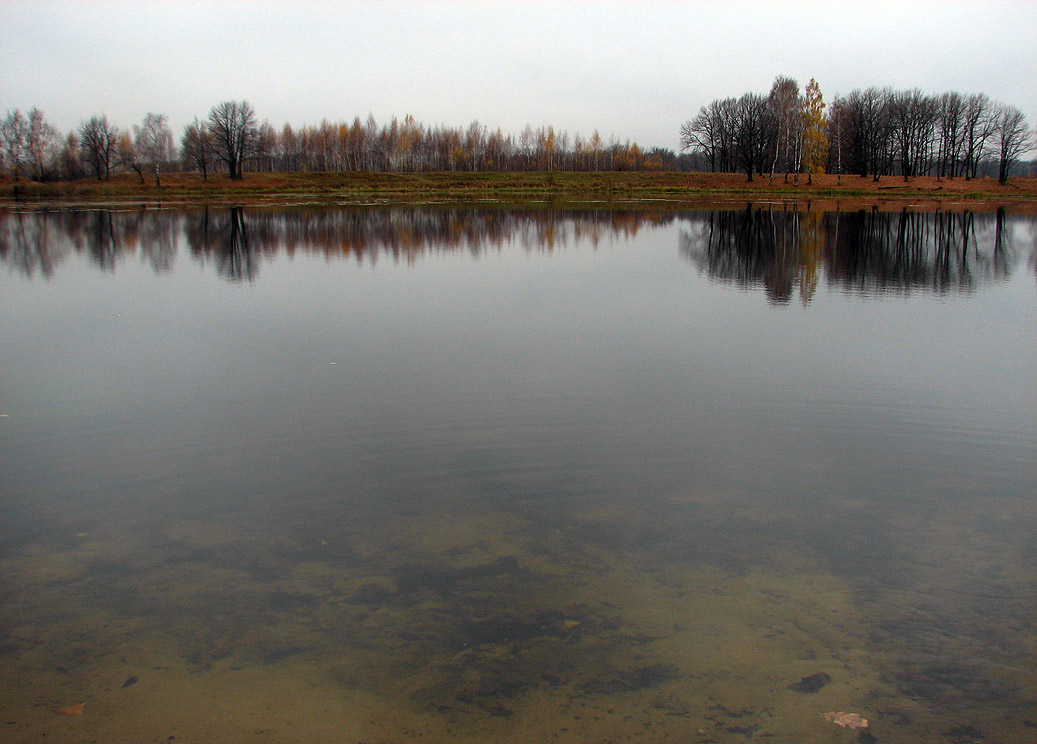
pixel 680 188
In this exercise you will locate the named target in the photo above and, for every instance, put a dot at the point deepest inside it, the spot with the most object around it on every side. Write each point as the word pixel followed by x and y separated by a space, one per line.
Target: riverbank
pixel 514 187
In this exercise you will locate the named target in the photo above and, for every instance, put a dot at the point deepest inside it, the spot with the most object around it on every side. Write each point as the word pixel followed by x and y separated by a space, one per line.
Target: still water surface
pixel 438 474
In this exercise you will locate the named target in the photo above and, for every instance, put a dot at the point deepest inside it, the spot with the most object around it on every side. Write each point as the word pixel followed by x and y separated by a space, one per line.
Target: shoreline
pixel 669 189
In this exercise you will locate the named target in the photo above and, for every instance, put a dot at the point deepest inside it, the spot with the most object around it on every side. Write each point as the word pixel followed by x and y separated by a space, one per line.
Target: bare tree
pixel 912 120
pixel 866 131
pixel 475 144
pixel 754 129
pixel 786 106
pixel 712 131
pixel 837 126
pixel 126 154
pixel 196 147
pixel 1012 136
pixel 950 126
pixel 266 145
pixel 154 143
pixel 979 126
pixel 232 125
pixel 14 136
pixel 698 134
pixel 98 142
pixel 70 164
pixel 41 140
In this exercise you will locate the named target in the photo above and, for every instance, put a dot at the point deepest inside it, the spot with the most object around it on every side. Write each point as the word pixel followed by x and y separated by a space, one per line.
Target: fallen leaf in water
pixel 846 720
pixel 71 710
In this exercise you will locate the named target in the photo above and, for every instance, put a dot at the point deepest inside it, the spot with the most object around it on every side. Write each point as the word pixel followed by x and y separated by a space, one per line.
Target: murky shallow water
pixel 340 475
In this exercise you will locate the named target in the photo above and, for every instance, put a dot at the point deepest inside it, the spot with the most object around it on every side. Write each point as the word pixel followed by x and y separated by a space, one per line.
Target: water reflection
pixel 234 239
pixel 865 251
pixel 519 499
pixel 224 238
pixel 785 250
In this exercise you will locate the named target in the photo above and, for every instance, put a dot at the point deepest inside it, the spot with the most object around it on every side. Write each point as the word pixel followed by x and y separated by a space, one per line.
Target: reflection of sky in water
pixel 602 409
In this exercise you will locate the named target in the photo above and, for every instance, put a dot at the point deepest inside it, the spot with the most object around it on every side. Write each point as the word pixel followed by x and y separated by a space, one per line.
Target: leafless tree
pixel 126 155
pixel 979 126
pixel 267 145
pixel 475 144
pixel 754 131
pixel 712 131
pixel 1012 136
pixel 912 121
pixel 41 142
pixel 950 125
pixel 154 143
pixel 866 131
pixel 14 136
pixel 786 109
pixel 232 125
pixel 196 147
pixel 98 142
pixel 70 164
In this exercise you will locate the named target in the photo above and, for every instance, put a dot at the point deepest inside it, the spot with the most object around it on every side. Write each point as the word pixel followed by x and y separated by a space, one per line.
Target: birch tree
pixel 154 143
pixel 41 140
pixel 14 136
pixel 815 131
pixel 786 108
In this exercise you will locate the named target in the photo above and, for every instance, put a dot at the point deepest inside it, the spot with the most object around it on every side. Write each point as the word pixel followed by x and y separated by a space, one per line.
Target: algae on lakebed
pixel 443 627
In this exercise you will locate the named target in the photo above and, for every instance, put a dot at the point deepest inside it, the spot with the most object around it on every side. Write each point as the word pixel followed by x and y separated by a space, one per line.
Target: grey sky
pixel 634 70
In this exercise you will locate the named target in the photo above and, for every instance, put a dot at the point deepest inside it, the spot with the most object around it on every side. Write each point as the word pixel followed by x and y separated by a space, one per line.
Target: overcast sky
pixel 633 70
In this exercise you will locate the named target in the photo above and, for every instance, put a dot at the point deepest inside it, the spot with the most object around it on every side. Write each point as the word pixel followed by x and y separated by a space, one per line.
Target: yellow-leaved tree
pixel 815 131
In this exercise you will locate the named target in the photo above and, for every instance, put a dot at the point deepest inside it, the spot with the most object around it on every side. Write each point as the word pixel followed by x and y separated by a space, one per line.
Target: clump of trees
pixel 870 132
pixel 26 143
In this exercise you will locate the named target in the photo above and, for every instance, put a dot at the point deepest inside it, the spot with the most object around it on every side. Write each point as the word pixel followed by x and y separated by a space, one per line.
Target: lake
pixel 463 474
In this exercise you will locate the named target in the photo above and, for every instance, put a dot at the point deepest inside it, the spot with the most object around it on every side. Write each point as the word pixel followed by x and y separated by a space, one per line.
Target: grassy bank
pixel 610 186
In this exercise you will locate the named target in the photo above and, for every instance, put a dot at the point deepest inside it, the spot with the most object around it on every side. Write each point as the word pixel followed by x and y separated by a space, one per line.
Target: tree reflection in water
pixel 784 249
pixel 223 237
pixel 864 251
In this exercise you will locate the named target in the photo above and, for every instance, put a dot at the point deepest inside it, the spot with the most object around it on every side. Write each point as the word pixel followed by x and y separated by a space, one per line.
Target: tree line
pixel 232 139
pixel 870 132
